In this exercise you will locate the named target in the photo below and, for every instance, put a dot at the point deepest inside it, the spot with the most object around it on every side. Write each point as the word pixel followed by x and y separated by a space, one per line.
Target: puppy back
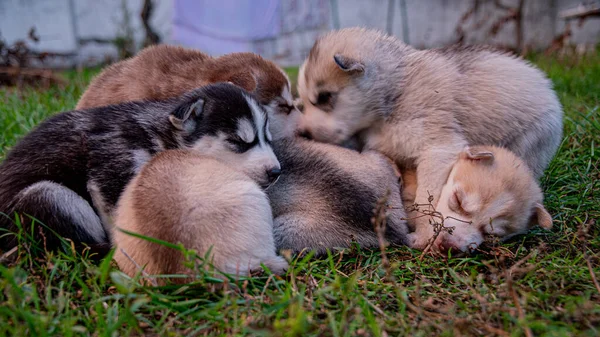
pixel 183 197
pixel 164 71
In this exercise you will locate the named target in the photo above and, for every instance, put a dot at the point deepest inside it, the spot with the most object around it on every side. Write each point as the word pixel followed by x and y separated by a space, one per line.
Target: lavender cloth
pixel 225 26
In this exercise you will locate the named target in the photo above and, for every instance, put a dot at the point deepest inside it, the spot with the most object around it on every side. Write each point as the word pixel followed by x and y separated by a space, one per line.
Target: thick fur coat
pixel 422 107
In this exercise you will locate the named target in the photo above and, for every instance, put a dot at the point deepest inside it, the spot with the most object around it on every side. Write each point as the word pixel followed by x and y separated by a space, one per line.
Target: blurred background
pixel 83 33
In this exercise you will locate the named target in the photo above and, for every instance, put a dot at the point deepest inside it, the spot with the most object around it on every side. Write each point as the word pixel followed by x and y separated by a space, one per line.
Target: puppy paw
pixel 417 241
pixel 277 265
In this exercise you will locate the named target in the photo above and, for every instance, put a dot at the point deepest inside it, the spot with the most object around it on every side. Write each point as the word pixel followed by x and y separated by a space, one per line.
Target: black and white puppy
pixel 71 170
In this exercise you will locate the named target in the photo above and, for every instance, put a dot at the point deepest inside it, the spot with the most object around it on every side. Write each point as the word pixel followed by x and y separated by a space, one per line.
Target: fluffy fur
pixel 70 171
pixel 319 186
pixel 422 107
pixel 183 197
pixel 164 71
pixel 489 191
pixel 326 195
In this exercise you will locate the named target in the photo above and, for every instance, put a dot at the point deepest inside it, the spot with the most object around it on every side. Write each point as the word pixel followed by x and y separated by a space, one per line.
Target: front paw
pixel 417 241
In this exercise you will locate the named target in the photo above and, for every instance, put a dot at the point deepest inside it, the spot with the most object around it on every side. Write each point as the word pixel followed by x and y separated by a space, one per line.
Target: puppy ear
pixel 541 216
pixel 184 115
pixel 244 80
pixel 477 154
pixel 348 64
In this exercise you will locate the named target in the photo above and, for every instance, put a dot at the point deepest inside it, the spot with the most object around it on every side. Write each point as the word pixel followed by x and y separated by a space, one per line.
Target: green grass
pixel 540 283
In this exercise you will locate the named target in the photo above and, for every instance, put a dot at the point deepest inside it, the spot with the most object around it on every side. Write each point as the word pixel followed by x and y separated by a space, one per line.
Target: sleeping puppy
pixel 489 192
pixel 202 203
pixel 328 173
pixel 69 172
pixel 422 107
pixel 326 195
pixel 164 71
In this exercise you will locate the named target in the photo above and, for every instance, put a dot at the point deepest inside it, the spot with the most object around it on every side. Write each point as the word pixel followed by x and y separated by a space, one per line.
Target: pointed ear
pixel 477 154
pixel 185 114
pixel 541 216
pixel 348 64
pixel 244 80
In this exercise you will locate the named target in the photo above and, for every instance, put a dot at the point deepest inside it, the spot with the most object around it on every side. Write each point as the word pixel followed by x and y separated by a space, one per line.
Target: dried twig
pixel 513 293
pixel 582 236
pixel 144 273
pixel 6 255
pixel 436 220
pixel 379 221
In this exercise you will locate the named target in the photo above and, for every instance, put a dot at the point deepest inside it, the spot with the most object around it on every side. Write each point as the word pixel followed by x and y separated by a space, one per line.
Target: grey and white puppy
pixel 326 196
pixel 422 107
pixel 70 171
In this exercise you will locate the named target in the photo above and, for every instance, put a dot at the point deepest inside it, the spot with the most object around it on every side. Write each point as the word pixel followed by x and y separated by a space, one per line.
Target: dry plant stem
pixel 583 233
pixel 513 293
pixel 262 294
pixel 146 275
pixel 496 331
pixel 6 255
pixel 438 224
pixel 594 280
pixel 379 223
pixel 376 308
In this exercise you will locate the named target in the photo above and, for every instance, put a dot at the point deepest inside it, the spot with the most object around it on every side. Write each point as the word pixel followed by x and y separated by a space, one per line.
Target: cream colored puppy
pixel 489 191
pixel 422 107
pixel 184 197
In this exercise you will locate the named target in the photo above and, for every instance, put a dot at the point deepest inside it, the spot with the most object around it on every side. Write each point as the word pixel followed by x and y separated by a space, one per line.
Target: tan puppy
pixel 422 107
pixel 489 191
pixel 183 197
pixel 164 71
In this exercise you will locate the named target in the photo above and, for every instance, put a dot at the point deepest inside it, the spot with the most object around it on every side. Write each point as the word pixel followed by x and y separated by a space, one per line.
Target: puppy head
pixel 489 192
pixel 267 82
pixel 225 122
pixel 339 86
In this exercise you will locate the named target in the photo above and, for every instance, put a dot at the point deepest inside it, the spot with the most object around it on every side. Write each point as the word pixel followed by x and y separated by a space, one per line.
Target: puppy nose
pixel 273 174
pixel 305 134
pixel 446 247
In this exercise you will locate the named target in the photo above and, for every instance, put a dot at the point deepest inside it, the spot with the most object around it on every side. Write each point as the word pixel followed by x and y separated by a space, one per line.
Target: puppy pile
pixel 211 153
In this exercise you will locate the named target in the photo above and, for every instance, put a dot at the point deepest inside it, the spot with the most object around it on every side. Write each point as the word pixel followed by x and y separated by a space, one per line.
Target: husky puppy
pixel 422 107
pixel 70 171
pixel 324 199
pixel 489 191
pixel 334 204
pixel 164 71
pixel 184 197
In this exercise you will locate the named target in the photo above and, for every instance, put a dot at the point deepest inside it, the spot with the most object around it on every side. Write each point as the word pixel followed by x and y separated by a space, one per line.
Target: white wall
pixel 62 24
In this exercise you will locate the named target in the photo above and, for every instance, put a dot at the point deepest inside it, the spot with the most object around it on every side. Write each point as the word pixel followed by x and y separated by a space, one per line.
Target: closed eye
pixel 456 205
pixel 285 108
pixel 241 146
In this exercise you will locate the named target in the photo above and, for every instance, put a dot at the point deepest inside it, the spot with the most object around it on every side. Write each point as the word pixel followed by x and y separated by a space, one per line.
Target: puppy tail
pixel 49 211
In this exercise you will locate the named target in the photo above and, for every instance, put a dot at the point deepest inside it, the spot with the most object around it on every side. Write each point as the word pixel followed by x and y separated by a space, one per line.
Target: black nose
pixel 273 174
pixel 305 134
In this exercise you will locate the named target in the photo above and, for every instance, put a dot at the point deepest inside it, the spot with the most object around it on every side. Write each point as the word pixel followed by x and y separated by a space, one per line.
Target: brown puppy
pixel 164 71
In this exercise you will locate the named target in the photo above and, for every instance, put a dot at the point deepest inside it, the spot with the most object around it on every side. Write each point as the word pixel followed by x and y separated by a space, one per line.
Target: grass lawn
pixel 538 284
